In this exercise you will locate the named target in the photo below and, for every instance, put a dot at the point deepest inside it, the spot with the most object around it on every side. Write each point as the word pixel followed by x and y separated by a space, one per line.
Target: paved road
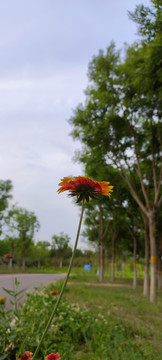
pixel 27 281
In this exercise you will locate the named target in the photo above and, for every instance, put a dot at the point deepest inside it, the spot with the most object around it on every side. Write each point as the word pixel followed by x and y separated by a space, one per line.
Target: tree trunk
pixel 123 270
pixel 23 253
pixel 98 264
pixel 23 264
pixel 135 262
pixel 101 271
pixel 101 237
pixel 153 283
pixel 109 272
pixel 159 265
pixel 159 273
pixel 106 263
pixel 113 270
pixel 10 263
pixel 146 266
pixel 113 256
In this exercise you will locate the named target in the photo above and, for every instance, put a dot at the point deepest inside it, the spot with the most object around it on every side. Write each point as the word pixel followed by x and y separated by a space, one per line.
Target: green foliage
pixel 24 224
pixel 74 329
pixel 15 296
pixel 5 196
pixel 39 253
pixel 60 241
pixel 5 247
pixel 148 19
pixel 120 128
pixel 60 246
pixel 103 323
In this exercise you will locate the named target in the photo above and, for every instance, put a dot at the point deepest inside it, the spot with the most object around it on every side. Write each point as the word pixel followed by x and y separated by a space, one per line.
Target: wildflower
pixel 55 292
pixel 2 300
pixel 27 356
pixel 14 321
pixel 8 256
pixel 9 347
pixel 53 357
pixel 84 188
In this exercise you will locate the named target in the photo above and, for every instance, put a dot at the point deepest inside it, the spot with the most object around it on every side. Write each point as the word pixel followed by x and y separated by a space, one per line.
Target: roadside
pixel 27 282
pixel 99 284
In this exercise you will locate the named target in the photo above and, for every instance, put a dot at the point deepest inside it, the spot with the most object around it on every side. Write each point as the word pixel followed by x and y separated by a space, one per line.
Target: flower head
pixel 84 188
pixel 2 300
pixel 55 292
pixel 8 256
pixel 27 356
pixel 53 357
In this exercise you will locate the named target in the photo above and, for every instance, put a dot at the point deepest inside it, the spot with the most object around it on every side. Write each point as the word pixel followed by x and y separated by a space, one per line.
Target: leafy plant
pixel 15 294
pixel 76 332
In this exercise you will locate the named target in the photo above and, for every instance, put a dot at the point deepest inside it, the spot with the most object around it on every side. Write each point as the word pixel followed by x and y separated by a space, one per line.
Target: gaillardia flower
pixel 84 188
pixel 27 356
pixel 53 357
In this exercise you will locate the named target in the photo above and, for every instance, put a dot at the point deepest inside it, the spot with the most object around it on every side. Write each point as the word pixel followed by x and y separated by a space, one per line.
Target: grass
pixel 79 270
pixel 4 269
pixel 108 321
pixel 124 306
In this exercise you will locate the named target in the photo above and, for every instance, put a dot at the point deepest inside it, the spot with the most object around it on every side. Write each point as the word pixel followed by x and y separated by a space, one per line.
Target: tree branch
pixel 130 214
pixel 132 191
pixel 153 163
pixel 106 229
pixel 100 230
pixel 158 188
pixel 138 166
pixel 159 202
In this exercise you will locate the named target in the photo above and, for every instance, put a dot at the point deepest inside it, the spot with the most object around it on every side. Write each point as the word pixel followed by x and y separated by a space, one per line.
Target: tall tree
pixel 97 223
pixel 121 118
pixel 60 243
pixel 39 252
pixel 24 223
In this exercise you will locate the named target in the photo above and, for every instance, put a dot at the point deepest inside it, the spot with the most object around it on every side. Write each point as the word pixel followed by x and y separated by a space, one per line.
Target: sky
pixel 45 49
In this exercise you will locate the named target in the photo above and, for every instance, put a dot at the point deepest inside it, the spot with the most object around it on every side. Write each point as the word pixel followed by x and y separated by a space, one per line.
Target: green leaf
pixel 17 282
pixel 10 292
pixel 20 298
pixel 2 357
pixel 20 292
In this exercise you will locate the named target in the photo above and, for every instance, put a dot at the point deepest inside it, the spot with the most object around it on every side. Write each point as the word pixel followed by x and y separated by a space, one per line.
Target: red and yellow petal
pixel 26 356
pixel 106 189
pixel 53 357
pixel 84 188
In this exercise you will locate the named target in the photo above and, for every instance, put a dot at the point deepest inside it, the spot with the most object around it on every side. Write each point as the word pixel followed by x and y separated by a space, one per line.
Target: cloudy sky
pixel 45 48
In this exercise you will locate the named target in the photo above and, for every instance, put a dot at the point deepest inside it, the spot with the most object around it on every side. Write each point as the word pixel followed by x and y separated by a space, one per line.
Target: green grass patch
pixel 141 319
pixel 93 322
pixel 4 269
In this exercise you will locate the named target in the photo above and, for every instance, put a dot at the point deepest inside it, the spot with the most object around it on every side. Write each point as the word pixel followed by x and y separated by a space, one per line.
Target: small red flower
pixel 53 357
pixel 55 292
pixel 27 356
pixel 8 256
pixel 84 188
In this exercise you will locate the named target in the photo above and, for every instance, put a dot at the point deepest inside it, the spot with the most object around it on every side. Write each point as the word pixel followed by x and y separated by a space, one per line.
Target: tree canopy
pixel 120 122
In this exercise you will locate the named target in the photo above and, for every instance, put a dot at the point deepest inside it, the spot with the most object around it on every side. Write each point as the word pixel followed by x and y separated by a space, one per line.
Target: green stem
pixel 63 288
